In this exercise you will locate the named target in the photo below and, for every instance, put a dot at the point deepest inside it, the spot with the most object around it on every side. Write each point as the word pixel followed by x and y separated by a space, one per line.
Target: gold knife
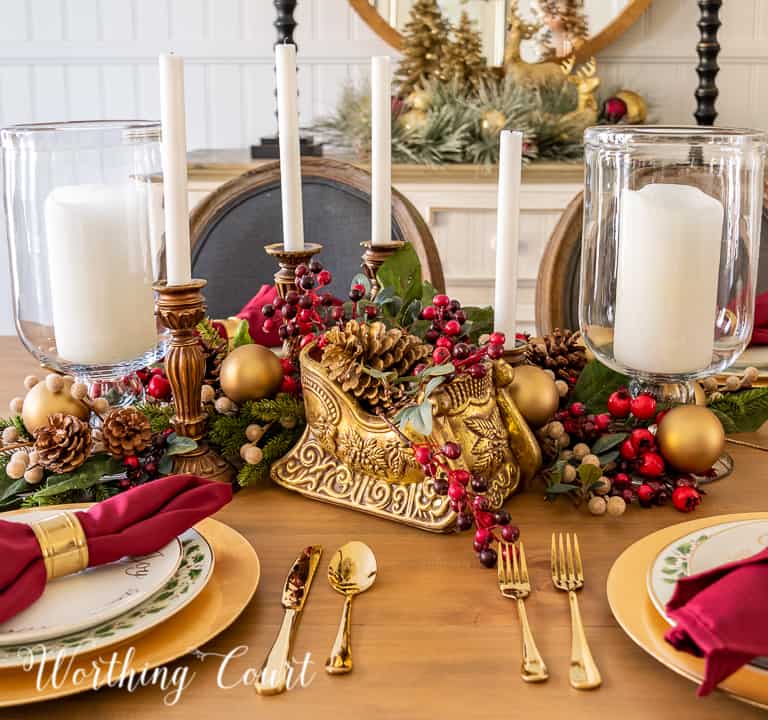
pixel 273 675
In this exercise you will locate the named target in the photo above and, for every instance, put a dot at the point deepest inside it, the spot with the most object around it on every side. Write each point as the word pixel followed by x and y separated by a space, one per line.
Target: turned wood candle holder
pixel 289 260
pixel 373 258
pixel 180 308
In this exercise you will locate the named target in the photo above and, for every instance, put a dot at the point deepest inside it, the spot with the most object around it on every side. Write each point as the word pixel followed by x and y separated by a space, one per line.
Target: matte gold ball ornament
pixel 420 99
pixel 41 402
pixel 493 122
pixel 691 438
pixel 250 372
pixel 413 119
pixel 535 394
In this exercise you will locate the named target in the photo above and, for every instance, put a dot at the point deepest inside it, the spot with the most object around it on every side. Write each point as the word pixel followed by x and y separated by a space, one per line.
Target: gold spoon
pixel 351 571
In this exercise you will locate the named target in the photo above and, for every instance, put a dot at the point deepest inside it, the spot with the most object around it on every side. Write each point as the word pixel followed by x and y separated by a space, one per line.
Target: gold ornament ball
pixel 493 122
pixel 420 99
pixel 691 438
pixel 413 119
pixel 250 372
pixel 535 395
pixel 637 108
pixel 41 402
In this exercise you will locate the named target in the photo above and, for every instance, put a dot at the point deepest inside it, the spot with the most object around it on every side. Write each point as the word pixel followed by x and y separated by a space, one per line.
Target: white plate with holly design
pixel 703 550
pixel 91 597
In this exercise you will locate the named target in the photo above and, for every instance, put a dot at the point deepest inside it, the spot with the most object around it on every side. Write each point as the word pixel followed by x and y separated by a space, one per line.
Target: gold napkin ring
pixel 62 543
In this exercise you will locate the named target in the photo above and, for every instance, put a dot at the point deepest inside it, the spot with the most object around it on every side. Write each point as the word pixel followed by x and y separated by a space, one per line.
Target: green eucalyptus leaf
pixel 242 336
pixel 433 384
pixel 608 457
pixel 444 369
pixel 608 442
pixel 91 472
pixel 180 445
pixel 165 466
pixel 379 374
pixel 425 410
pixel 384 296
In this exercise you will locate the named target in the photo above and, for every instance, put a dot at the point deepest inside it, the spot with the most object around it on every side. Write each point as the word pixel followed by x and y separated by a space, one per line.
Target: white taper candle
pixel 508 234
pixel 290 155
pixel 381 150
pixel 174 152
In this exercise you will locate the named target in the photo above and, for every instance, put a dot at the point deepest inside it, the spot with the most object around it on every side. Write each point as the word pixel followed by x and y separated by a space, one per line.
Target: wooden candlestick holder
pixel 373 258
pixel 289 260
pixel 180 308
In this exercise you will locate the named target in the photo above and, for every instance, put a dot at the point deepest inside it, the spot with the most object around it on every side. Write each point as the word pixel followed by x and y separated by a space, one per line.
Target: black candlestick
pixel 707 48
pixel 269 147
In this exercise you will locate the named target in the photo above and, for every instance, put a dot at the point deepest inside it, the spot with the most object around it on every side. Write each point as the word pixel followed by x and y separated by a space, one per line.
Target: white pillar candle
pixel 508 234
pixel 100 273
pixel 174 151
pixel 381 150
pixel 667 275
pixel 290 156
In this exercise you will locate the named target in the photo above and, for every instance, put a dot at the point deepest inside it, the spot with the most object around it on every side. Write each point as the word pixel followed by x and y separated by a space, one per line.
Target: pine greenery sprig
pixel 273 450
pixel 159 415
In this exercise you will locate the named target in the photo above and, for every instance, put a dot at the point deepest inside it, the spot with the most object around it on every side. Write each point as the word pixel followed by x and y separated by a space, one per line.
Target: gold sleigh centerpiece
pixel 352 458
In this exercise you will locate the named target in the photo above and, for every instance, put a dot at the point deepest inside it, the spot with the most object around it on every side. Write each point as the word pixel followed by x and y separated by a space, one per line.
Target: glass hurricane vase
pixel 84 223
pixel 669 252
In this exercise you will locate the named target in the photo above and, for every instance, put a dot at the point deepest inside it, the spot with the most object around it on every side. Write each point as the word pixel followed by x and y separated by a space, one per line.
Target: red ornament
pixel 441 355
pixel 686 498
pixel 159 387
pixel 619 403
pixel 651 464
pixel 603 421
pixel 643 407
pixel 627 450
pixel 641 439
pixel 422 453
pixel 645 495
pixel 452 327
pixel 497 338
pixel 289 385
pixel 614 109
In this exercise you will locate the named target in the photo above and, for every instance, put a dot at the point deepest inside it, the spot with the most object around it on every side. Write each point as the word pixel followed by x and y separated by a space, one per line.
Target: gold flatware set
pixel 567 575
pixel 352 570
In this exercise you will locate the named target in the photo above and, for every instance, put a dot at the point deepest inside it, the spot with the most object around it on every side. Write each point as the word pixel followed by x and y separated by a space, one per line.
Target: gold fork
pixel 515 584
pixel 568 575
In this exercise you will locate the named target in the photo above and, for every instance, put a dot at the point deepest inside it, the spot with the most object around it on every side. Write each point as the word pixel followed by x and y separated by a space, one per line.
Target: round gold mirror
pixel 553 28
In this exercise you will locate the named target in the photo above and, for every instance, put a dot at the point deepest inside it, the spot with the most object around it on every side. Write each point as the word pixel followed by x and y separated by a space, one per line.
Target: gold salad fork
pixel 568 575
pixel 515 584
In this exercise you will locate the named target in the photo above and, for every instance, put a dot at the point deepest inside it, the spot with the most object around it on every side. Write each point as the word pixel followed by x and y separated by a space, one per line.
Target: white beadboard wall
pixel 85 59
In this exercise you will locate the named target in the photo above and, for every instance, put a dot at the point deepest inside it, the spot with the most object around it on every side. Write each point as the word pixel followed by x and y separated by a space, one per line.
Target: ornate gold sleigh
pixel 354 459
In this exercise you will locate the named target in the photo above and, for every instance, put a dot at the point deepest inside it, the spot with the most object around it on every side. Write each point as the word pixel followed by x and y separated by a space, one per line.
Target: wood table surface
pixel 433 638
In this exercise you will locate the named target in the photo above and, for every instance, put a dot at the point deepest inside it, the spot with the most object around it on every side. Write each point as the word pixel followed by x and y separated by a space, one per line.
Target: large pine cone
pixel 64 444
pixel 358 347
pixel 126 431
pixel 562 352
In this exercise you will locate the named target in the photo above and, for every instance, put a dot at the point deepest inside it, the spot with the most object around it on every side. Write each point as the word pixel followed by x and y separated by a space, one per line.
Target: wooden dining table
pixel 433 638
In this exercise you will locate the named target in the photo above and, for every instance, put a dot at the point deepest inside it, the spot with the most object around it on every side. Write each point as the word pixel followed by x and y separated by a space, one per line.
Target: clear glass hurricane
pixel 669 251
pixel 84 219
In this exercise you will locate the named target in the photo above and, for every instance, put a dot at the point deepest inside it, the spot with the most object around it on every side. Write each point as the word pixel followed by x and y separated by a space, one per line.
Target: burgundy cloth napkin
pixel 760 333
pixel 721 616
pixel 137 522
pixel 252 313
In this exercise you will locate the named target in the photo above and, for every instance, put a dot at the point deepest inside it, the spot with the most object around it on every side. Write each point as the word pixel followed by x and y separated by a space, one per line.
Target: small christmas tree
pixel 464 59
pixel 564 27
pixel 424 41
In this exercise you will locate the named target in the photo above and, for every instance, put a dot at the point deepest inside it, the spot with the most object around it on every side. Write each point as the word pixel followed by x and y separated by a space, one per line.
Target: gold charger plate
pixel 233 581
pixel 641 621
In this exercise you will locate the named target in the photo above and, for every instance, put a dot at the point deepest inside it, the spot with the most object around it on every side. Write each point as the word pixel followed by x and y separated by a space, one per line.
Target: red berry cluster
pixel 465 494
pixel 142 468
pixel 156 383
pixel 304 311
pixel 582 425
pixel 291 377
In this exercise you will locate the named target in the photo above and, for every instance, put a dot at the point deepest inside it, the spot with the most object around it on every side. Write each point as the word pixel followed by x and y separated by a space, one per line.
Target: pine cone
pixel 562 352
pixel 357 347
pixel 126 431
pixel 64 444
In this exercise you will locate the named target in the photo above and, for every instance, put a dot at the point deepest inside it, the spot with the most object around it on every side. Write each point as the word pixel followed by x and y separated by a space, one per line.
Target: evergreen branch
pixel 273 450
pixel 159 415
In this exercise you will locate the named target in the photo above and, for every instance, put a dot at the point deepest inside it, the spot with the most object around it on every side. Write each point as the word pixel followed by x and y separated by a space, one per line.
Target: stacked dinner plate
pixel 642 581
pixel 143 612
